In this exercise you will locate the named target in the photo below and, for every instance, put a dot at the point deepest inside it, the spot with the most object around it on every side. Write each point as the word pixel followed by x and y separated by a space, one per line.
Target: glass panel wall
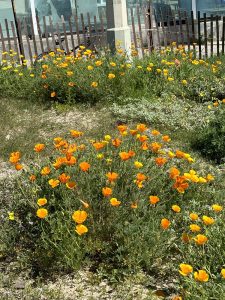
pixel 215 7
pixel 5 13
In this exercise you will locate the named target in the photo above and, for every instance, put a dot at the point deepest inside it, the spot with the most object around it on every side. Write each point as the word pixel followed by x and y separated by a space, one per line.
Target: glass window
pixel 5 12
pixel 215 7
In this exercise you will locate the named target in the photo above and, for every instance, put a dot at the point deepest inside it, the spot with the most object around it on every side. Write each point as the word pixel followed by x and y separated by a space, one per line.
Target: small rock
pixel 19 284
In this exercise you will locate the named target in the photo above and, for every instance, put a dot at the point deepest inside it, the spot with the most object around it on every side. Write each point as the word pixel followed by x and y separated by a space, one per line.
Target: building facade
pixel 57 8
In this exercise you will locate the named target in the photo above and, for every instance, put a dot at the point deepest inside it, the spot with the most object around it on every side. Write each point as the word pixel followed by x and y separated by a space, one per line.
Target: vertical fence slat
pixel 181 27
pixel 199 36
pixel 205 36
pixel 223 33
pixel 217 36
pixel 22 52
pixel 71 35
pixel 157 29
pixel 211 35
pixel 175 27
pixel 168 27
pixel 77 29
pixel 59 36
pixel 40 34
pixel 83 29
pixel 2 39
pixel 163 29
pixel 193 26
pixel 90 39
pixel 96 31
pixel 140 30
pixel 133 28
pixel 52 34
pixel 33 37
pixel 187 29
pixel 65 34
pixel 46 33
pixel 28 41
pixel 15 40
pixel 102 30
pixel 8 34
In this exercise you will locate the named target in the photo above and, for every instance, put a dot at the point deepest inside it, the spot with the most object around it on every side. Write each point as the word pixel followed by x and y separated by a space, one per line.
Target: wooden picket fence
pixel 150 30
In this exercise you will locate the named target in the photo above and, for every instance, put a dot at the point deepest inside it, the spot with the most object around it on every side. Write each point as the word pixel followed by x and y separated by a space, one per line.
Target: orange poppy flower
pixel 133 132
pixel 18 167
pixel 153 199
pixel 201 276
pixel 115 202
pixel 63 178
pixel 71 161
pixel 116 142
pixel 180 154
pixel 45 171
pixel 53 183
pixel 131 153
pixel 42 213
pixel 174 172
pixel 200 239
pixel 143 138
pixel 71 185
pixel 176 208
pixel 32 178
pixel 122 128
pixel 124 155
pixel 14 157
pixel 76 133
pixel 166 138
pixel 98 145
pixel 141 177
pixel 144 146
pixel 53 94
pixel 141 127
pixel 39 147
pixel 84 166
pixel 112 176
pixel 107 192
pixel 81 229
pixel 160 161
pixel 180 185
pixel 134 205
pixel 42 201
pixel 155 147
pixel 155 132
pixel 79 216
pixel 165 223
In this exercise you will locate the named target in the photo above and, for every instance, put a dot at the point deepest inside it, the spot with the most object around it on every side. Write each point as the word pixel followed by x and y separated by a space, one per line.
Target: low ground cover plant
pixel 120 204
pixel 106 78
pixel 210 141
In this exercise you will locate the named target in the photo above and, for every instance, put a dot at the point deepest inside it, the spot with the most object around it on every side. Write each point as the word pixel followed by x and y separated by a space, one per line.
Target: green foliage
pixel 210 140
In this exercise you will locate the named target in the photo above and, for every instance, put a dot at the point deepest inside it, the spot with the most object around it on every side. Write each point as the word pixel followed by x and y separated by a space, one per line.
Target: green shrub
pixel 210 140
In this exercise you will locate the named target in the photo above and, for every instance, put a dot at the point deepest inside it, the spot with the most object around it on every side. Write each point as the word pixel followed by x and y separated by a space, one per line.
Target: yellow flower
pixel 79 216
pixel 193 216
pixel 138 164
pixel 41 201
pixel 223 273
pixel 107 137
pixel 11 216
pixel 217 207
pixel 111 76
pixel 170 79
pixel 53 183
pixel 176 208
pixel 94 84
pixel 184 82
pixel 200 239
pixel 90 68
pixel 185 269
pixel 112 64
pixel 81 229
pixel 69 73
pixel 208 220
pixel 42 213
pixel 201 275
pixel 98 63
pixel 114 202
pixel 195 228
